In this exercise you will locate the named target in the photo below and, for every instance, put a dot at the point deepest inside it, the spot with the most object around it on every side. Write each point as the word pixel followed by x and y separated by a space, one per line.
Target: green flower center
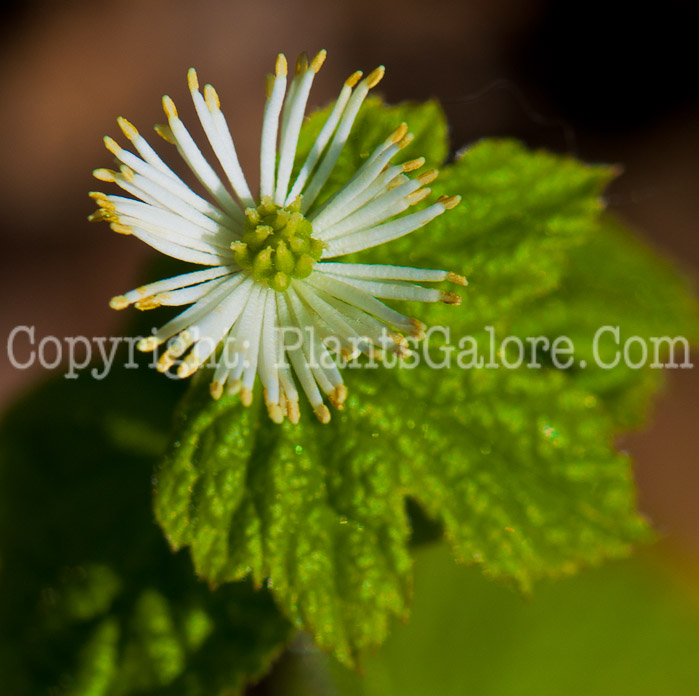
pixel 277 245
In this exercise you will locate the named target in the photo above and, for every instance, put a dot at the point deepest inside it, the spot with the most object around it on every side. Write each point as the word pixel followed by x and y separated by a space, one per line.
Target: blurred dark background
pixel 605 81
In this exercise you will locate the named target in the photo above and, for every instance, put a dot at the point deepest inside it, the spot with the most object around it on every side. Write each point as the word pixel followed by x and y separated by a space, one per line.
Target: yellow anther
pixel 292 411
pixel 148 303
pixel 216 390
pixel 245 396
pixel 192 80
pixel 338 397
pixel 457 279
pixel 98 216
pixel 417 196
pixel 405 141
pixel 417 329
pixel 450 298
pixel 97 195
pixel 165 362
pixel 180 344
pixel 188 366
pixel 398 181
pixel 127 128
pixel 318 61
pixel 145 345
pixel 280 67
pixel 399 133
pixel 165 132
pixel 449 202
pixel 375 353
pixel 127 173
pixel 121 229
pixel 428 177
pixel 234 387
pixel 169 107
pixel 302 63
pixel 275 413
pixel 350 355
pixel 211 98
pixel 119 302
pixel 398 338
pixel 107 205
pixel 112 145
pixel 352 80
pixel 341 393
pixel 322 413
pixel 104 215
pixel 375 76
pixel 105 175
pixel 412 165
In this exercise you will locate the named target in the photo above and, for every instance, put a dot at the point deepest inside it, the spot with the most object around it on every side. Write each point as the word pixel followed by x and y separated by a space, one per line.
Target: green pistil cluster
pixel 277 245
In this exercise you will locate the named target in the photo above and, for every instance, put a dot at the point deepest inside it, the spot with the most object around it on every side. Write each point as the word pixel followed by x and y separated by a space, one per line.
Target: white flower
pixel 269 259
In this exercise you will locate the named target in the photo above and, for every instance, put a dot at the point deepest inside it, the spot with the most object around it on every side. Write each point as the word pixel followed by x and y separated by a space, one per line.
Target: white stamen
pixel 298 360
pixel 320 143
pixel 386 232
pixel 224 150
pixel 337 324
pixel 202 169
pixel 372 271
pixel 362 300
pixel 290 135
pixel 194 313
pixel 211 328
pixel 326 372
pixel 237 178
pixel 364 324
pixel 177 282
pixel 268 358
pixel 270 126
pixel 393 291
pixel 340 205
pixel 379 210
pixel 172 183
pixel 144 149
pixel 180 251
pixel 150 192
pixel 177 298
pixel 338 142
pixel 254 336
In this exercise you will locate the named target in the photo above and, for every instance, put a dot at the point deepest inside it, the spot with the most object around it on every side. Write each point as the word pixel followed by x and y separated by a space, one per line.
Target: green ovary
pixel 277 245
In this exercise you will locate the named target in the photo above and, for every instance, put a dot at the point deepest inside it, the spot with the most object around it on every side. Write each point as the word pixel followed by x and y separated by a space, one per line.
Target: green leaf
pixel 521 213
pixel 615 280
pixel 92 600
pixel 628 628
pixel 516 466
pixel 326 534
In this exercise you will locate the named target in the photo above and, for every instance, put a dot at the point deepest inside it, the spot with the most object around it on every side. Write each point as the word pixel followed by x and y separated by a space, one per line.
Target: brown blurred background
pixel 606 81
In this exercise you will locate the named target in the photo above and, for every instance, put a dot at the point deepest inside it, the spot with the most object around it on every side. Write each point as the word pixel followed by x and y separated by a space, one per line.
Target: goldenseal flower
pixel 268 258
